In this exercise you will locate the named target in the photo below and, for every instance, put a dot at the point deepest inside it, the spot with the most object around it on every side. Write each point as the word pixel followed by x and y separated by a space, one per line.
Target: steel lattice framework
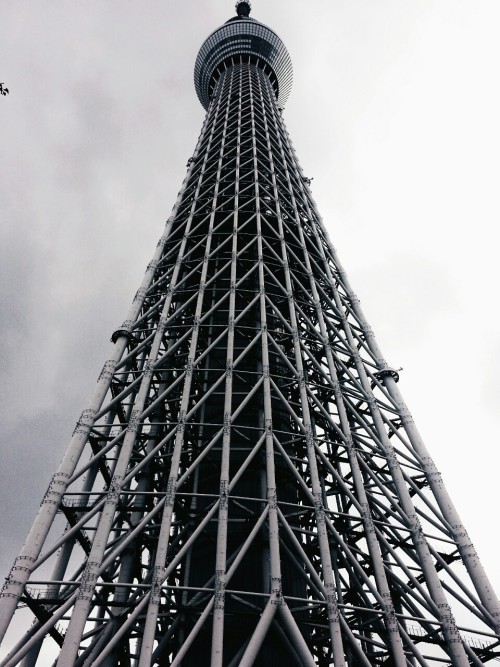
pixel 246 486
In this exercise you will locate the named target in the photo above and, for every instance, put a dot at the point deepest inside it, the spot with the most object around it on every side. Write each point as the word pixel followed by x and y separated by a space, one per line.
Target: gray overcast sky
pixel 394 112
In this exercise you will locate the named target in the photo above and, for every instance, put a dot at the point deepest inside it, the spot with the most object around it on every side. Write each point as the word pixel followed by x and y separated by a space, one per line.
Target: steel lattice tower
pixel 246 486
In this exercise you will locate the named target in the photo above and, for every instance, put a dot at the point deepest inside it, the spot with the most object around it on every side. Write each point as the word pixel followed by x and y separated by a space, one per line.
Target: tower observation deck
pixel 246 485
pixel 242 37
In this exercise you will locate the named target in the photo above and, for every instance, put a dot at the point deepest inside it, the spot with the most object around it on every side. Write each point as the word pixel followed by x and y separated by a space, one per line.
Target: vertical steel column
pixel 371 537
pixel 164 537
pixel 452 635
pixel 76 627
pixel 446 505
pixel 22 568
pixel 222 530
pixel 333 612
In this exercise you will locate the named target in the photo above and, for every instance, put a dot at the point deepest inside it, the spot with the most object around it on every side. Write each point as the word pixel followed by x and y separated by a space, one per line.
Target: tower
pixel 246 484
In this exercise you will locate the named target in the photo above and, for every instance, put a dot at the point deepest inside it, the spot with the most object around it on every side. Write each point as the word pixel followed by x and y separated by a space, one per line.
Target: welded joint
pixel 133 423
pixel 156 584
pixel 367 517
pixel 162 240
pixel 219 589
pixel 148 368
pixel 349 443
pixel 107 370
pixel 272 498
pixel 309 435
pixel 162 324
pixel 53 494
pixel 389 612
pixel 140 295
pixel 416 529
pixel 170 492
pixel 434 477
pixel 459 531
pixel 114 490
pixel 88 580
pixel 331 602
pixel 86 421
pixel 319 511
pixel 353 298
pixel 181 421
pixel 429 467
pixel 368 333
pixel 11 579
pixel 276 591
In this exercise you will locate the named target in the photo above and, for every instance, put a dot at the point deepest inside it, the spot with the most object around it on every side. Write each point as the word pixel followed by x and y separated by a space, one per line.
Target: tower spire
pixel 243 9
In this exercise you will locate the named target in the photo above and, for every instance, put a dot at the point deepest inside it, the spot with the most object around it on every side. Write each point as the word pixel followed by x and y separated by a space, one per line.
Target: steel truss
pixel 246 485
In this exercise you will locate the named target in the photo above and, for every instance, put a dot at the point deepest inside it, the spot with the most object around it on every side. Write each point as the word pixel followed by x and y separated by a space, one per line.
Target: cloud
pixel 406 294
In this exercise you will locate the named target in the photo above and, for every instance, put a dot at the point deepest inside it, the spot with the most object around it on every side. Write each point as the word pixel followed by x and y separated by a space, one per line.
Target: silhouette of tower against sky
pixel 246 485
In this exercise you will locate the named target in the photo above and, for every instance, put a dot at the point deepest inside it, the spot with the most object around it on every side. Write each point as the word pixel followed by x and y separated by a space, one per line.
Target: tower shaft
pixel 246 485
